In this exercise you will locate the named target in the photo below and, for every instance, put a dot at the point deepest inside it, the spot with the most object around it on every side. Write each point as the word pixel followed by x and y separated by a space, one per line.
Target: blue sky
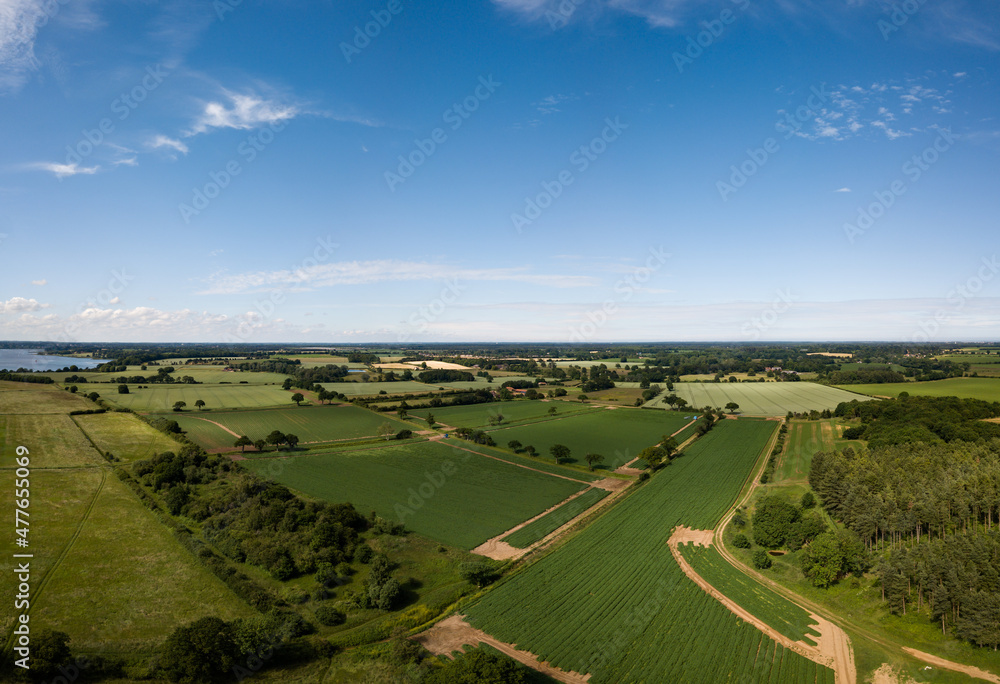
pixel 583 170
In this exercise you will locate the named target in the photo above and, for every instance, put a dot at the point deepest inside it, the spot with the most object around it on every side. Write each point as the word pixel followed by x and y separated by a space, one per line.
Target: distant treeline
pixel 920 419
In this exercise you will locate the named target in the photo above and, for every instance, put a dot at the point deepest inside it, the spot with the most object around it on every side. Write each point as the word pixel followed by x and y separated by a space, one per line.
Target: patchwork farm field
pixel 160 398
pixel 599 603
pixel 125 435
pixel 617 434
pixel 553 520
pixel 805 438
pixel 19 398
pixel 126 581
pixel 479 415
pixel 54 441
pixel 450 495
pixel 987 389
pixel 311 424
pixel 758 398
pixel 365 389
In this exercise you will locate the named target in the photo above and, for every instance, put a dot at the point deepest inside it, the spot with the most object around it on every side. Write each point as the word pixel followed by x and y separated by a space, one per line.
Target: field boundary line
pixel 518 465
pixel 67 547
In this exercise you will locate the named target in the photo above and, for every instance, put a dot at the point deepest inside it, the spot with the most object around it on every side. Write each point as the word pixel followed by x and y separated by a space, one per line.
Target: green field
pixel 54 441
pixel 126 582
pixel 553 520
pixel 987 389
pixel 23 398
pixel 448 494
pixel 364 389
pixel 206 374
pixel 804 439
pixel 311 424
pixel 598 603
pixel 159 398
pixel 774 610
pixel 125 435
pixel 617 434
pixel 479 415
pixel 758 398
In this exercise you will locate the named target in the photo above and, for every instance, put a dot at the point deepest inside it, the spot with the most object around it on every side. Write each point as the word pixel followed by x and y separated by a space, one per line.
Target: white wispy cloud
pixel 161 141
pixel 18 27
pixel 377 271
pixel 43 281
pixel 64 170
pixel 842 190
pixel 550 104
pixel 242 111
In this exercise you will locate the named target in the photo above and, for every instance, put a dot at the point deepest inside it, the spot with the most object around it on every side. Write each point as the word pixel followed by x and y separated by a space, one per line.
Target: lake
pixel 12 359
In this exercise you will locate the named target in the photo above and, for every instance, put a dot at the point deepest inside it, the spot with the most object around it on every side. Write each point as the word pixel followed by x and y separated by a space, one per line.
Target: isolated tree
pixel 275 438
pixel 653 456
pixel 73 389
pixel 324 395
pixel 560 452
pixel 243 442
pixel 772 519
pixel 179 405
pixel 593 460
pixel 385 431
pixel 402 413
pixel 259 444
pixel 552 410
pixel 740 541
pixel 298 398
pixel 430 420
pixel 761 559
pixel 514 445
pixel 681 403
pixel 670 400
pixel 732 406
pixel 199 404
pixel 122 389
pixel 530 450
pixel 291 440
pixel 93 396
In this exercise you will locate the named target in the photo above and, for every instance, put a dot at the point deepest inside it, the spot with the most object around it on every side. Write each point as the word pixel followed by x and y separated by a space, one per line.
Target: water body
pixel 12 359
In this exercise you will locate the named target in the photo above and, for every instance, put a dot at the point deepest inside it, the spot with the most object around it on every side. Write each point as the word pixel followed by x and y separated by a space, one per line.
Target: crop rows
pixel 778 612
pixel 551 521
pixel 614 603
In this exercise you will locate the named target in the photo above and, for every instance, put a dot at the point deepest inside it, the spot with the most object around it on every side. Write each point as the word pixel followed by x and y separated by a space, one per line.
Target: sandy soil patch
pixel 956 667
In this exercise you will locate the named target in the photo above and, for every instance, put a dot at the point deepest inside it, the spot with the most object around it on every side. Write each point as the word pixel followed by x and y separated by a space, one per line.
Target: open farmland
pixel 805 438
pixel 21 398
pixel 586 606
pixel 617 434
pixel 365 389
pixel 480 415
pixel 159 398
pixel 448 494
pixel 987 389
pixel 551 521
pixel 54 440
pixel 310 424
pixel 758 398
pixel 125 435
pixel 778 612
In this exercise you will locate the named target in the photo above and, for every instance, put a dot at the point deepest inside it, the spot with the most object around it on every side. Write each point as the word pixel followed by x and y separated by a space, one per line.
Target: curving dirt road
pixel 834 648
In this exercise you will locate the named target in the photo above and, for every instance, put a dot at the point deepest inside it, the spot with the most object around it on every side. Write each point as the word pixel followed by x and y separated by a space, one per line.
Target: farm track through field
pixel 50 573
pixel 452 633
pixel 497 549
pixel 834 649
pixel 672 434
pixel 218 425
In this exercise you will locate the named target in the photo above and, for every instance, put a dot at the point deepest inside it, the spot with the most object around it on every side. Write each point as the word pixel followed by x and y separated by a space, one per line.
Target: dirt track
pixel 949 665
pixel 834 649
pixel 452 633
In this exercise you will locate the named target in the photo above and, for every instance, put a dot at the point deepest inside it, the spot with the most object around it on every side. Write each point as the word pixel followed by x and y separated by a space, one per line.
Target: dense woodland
pixel 926 505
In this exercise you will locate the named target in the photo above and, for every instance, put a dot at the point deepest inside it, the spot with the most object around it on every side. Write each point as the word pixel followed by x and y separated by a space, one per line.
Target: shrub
pixel 740 541
pixel 761 559
pixel 330 616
